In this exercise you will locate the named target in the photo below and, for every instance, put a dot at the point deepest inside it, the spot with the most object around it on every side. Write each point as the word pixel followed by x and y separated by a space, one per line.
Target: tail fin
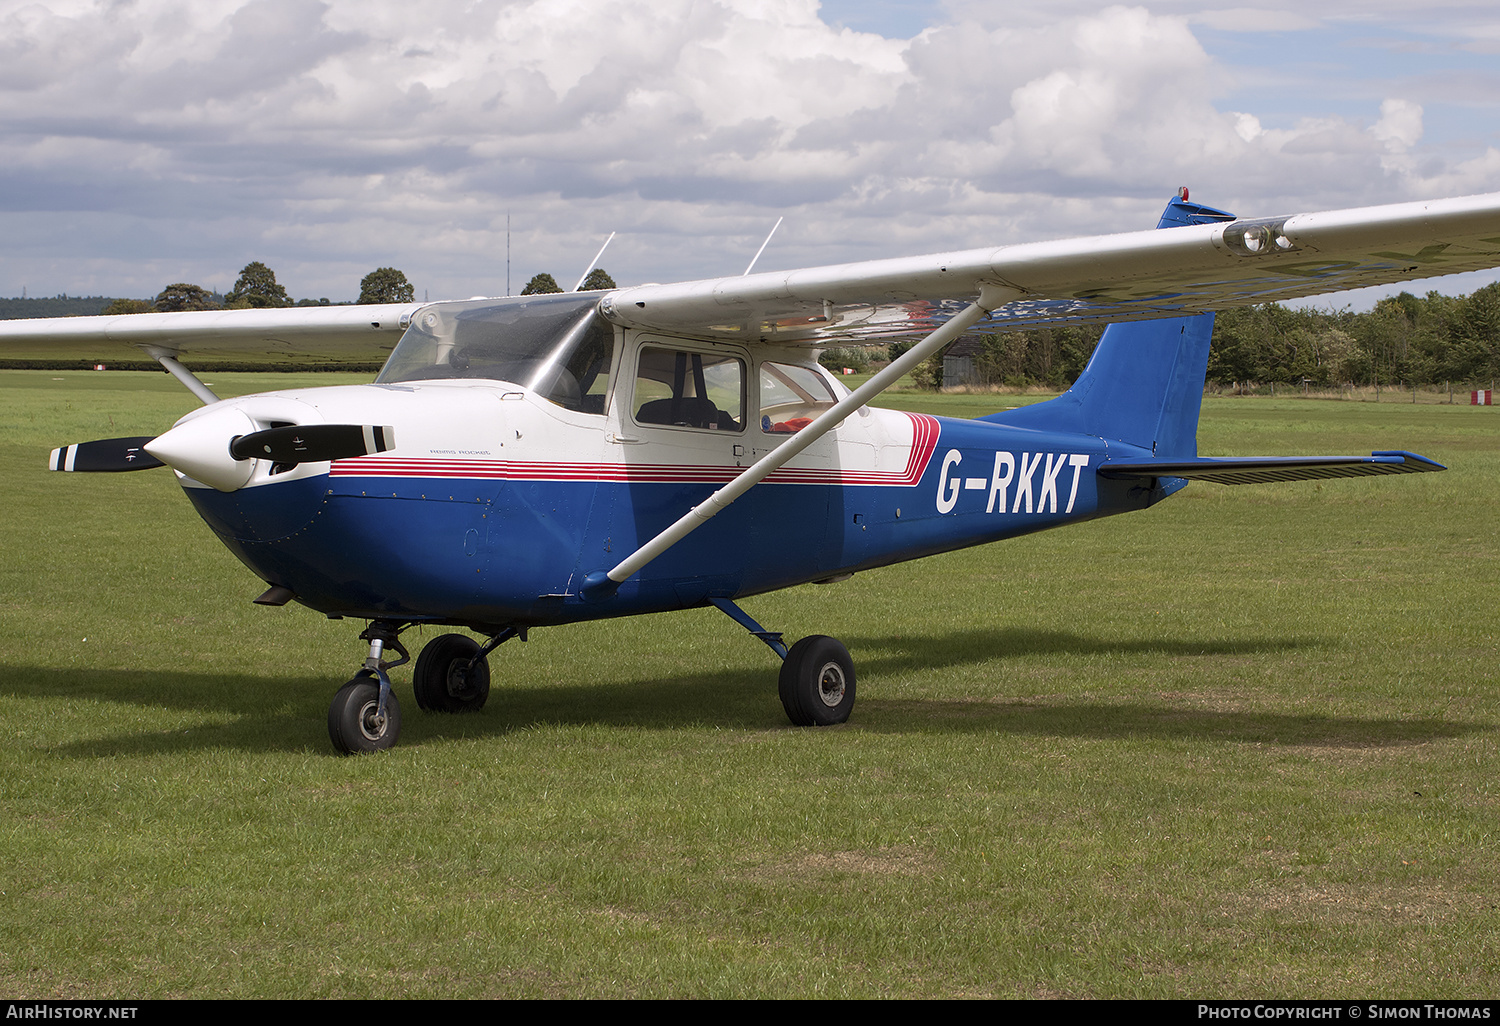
pixel 1144 383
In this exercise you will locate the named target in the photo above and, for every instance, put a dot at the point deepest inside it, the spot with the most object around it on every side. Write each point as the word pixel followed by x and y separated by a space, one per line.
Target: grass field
pixel 1241 744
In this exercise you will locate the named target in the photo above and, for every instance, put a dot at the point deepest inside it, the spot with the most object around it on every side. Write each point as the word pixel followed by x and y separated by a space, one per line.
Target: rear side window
pixel 791 396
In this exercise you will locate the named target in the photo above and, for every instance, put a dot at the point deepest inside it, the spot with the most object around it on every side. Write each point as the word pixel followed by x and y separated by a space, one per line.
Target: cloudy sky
pixel 154 141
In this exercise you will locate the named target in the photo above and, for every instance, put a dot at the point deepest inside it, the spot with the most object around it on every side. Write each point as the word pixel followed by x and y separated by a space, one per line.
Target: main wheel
pixel 443 679
pixel 354 721
pixel 817 682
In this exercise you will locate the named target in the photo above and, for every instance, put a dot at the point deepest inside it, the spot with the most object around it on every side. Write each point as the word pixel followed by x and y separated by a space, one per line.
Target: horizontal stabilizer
pixel 1264 469
pixel 108 455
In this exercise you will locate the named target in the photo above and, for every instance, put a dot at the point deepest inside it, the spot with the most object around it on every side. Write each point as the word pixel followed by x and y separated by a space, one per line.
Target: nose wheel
pixel 364 715
pixel 358 721
pixel 451 676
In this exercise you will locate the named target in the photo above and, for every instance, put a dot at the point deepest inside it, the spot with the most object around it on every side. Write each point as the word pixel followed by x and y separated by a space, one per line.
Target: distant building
pixel 958 361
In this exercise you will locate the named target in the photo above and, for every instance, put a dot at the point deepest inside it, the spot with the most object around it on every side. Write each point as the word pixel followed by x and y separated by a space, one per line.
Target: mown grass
pixel 1243 743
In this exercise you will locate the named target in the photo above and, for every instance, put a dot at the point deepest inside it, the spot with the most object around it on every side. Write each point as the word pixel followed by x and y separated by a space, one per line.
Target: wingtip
pixel 1414 461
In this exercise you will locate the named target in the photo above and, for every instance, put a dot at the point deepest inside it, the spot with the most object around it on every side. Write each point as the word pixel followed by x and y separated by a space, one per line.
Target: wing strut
pixel 601 585
pixel 168 359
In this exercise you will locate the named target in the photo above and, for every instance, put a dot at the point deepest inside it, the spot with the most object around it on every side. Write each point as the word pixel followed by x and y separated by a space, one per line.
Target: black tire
pixel 817 682
pixel 353 723
pixel 443 680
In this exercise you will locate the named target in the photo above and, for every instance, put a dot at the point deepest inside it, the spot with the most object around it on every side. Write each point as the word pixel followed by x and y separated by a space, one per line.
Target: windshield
pixel 556 345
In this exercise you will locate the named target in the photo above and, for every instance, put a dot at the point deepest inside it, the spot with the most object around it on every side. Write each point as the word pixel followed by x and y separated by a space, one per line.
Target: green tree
pixel 1476 331
pixel 855 358
pixel 1075 347
pixel 1438 322
pixel 541 284
pixel 385 285
pixel 1241 342
pixel 183 296
pixel 127 306
pixel 1002 358
pixel 598 279
pixel 928 375
pixel 256 287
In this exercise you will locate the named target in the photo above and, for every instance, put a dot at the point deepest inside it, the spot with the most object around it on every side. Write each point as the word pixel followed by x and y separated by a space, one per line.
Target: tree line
pixel 257 288
pixel 544 284
pixel 1405 341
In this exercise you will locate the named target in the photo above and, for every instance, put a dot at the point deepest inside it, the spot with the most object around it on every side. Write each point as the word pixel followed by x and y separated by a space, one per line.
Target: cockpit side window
pixel 678 388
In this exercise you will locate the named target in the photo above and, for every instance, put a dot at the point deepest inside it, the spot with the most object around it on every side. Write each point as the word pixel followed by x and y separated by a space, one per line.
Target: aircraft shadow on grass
pixel 896 653
pixel 280 714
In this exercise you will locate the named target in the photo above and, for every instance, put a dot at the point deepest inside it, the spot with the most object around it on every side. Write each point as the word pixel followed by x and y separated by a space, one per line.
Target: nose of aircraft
pixel 219 447
pixel 199 448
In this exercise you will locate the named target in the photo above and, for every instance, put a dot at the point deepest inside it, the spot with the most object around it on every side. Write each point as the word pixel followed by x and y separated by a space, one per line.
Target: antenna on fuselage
pixel 763 245
pixel 593 263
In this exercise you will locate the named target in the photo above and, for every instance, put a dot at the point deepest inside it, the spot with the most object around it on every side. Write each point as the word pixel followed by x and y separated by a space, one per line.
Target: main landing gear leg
pixel 365 716
pixel 817 675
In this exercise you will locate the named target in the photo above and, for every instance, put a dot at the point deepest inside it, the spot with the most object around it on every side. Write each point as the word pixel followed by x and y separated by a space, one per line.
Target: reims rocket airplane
pixel 535 461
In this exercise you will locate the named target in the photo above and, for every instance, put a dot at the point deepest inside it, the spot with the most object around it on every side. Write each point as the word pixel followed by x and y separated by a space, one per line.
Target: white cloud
pixel 1247 126
pixel 1255 19
pixel 1400 124
pixel 328 137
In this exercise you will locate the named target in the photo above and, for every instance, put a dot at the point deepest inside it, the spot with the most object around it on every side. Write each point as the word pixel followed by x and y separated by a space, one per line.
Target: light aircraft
pixel 536 461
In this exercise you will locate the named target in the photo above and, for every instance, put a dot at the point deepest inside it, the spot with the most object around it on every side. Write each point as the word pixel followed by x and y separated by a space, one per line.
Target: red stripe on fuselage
pixel 925 431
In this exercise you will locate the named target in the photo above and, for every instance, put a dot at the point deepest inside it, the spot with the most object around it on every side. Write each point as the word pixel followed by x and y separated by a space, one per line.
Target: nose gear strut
pixel 365 716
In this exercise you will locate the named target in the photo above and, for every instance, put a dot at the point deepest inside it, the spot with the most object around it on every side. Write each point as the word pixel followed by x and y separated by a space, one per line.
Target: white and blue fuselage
pixel 497 502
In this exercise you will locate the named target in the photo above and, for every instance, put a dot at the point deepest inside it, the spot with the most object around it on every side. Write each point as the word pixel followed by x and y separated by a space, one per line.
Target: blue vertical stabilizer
pixel 1144 383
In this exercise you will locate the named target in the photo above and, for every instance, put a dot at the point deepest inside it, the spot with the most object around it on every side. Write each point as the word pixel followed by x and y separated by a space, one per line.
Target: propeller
pixel 197 448
pixel 108 455
pixel 313 443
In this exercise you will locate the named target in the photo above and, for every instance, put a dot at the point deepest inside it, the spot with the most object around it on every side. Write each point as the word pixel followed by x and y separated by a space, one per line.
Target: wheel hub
pixel 831 684
pixel 371 723
pixel 458 680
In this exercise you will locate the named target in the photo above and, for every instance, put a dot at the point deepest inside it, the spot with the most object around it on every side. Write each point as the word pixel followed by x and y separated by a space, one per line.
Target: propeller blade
pixel 108 455
pixel 313 443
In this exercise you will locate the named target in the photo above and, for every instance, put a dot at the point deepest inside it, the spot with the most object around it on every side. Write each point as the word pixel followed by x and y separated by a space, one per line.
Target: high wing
pixel 300 333
pixel 1108 278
